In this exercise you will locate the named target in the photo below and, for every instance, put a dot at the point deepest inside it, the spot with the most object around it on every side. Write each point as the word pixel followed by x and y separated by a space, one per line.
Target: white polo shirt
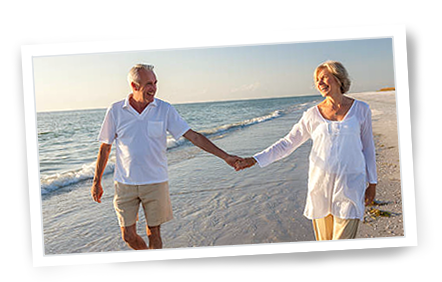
pixel 141 140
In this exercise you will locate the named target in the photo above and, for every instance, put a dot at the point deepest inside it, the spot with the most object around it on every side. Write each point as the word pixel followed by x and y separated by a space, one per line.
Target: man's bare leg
pixel 132 239
pixel 153 232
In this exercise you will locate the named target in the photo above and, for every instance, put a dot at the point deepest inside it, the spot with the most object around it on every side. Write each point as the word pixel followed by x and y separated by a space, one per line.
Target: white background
pixel 49 22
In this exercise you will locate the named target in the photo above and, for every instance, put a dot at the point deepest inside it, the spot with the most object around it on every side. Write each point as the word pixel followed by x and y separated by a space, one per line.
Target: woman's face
pixel 327 84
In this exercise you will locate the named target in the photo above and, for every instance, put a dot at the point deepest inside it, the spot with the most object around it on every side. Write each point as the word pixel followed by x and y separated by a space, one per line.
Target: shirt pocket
pixel 155 129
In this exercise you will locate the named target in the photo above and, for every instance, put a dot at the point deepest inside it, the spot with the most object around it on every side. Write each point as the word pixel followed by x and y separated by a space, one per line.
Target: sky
pixel 92 81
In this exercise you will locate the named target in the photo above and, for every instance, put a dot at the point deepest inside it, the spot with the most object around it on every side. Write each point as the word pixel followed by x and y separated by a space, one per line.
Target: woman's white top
pixel 342 160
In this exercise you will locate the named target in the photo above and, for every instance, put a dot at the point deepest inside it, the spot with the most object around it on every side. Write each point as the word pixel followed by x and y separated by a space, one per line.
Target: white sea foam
pixel 56 181
pixel 172 143
pixel 248 122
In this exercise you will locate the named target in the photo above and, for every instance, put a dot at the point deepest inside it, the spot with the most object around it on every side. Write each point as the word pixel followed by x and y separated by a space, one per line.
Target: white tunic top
pixel 141 140
pixel 342 160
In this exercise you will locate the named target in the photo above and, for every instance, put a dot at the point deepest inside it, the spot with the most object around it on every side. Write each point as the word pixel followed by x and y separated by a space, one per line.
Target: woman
pixel 342 159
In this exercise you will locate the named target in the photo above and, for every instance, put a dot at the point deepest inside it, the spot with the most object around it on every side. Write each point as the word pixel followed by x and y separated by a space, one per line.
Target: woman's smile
pixel 326 83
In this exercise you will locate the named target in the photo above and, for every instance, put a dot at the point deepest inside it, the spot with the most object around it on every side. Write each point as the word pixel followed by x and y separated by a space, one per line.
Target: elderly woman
pixel 342 158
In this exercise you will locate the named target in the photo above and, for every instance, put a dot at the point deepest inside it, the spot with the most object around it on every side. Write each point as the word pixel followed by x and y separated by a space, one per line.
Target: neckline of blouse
pixel 345 117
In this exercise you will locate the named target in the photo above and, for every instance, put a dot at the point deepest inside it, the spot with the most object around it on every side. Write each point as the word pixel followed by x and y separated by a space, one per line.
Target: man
pixel 138 126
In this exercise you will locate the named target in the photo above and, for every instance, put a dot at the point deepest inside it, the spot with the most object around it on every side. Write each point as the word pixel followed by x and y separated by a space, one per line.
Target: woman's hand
pixel 245 163
pixel 370 193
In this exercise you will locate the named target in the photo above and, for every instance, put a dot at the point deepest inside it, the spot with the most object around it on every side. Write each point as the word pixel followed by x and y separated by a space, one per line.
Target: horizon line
pixel 201 102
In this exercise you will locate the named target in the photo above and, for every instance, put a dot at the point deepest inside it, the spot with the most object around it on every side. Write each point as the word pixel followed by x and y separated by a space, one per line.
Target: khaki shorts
pixel 335 228
pixel 154 198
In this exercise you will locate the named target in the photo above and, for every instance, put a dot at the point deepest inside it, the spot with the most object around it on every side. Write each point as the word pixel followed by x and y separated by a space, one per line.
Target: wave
pixel 172 143
pixel 86 172
pixel 242 124
pixel 59 180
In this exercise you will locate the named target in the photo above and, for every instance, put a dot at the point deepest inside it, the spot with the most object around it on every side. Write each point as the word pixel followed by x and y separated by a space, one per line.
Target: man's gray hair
pixel 133 75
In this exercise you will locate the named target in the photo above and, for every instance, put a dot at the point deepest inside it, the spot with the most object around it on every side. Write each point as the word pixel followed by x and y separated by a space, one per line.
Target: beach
pixel 214 205
pixel 383 106
pixel 265 205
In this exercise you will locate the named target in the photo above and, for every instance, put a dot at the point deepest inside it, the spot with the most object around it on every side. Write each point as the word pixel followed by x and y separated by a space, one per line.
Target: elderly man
pixel 138 125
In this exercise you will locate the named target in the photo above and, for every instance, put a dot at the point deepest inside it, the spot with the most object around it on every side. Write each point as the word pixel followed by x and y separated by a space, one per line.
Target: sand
pixel 214 205
pixel 383 105
pixel 265 205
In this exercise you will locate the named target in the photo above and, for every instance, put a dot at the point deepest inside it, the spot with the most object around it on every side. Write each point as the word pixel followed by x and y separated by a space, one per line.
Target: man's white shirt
pixel 141 139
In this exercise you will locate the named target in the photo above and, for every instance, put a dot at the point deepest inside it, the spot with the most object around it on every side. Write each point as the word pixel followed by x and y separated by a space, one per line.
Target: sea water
pixel 68 146
pixel 68 149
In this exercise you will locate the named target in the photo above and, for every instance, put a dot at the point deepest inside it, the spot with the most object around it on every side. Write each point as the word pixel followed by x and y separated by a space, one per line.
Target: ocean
pixel 200 184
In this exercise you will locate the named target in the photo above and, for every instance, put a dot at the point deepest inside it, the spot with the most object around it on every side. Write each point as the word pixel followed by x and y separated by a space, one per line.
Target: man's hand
pixel 370 193
pixel 97 192
pixel 232 160
pixel 245 163
pixel 103 156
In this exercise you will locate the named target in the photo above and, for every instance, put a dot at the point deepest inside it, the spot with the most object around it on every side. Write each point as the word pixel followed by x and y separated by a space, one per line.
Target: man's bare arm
pixel 102 158
pixel 201 141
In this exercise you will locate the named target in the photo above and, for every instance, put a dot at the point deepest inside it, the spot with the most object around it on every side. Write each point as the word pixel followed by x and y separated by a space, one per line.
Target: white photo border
pixel 396 32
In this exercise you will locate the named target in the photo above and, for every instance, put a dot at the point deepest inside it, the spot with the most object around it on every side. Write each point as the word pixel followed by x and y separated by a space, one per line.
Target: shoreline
pixel 272 211
pixel 216 206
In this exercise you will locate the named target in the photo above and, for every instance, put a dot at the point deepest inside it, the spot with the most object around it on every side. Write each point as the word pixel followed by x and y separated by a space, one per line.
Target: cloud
pixel 247 87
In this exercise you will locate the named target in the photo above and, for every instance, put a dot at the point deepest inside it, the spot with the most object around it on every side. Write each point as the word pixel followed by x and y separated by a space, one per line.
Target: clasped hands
pixel 239 163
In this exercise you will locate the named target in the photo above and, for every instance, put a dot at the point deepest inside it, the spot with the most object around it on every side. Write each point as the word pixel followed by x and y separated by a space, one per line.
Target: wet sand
pixel 216 206
pixel 265 205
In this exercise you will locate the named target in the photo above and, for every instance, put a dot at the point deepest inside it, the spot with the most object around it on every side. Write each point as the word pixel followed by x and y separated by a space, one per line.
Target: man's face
pixel 148 85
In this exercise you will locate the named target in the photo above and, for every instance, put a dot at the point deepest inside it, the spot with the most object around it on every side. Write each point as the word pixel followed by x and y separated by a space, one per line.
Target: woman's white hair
pixel 133 75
